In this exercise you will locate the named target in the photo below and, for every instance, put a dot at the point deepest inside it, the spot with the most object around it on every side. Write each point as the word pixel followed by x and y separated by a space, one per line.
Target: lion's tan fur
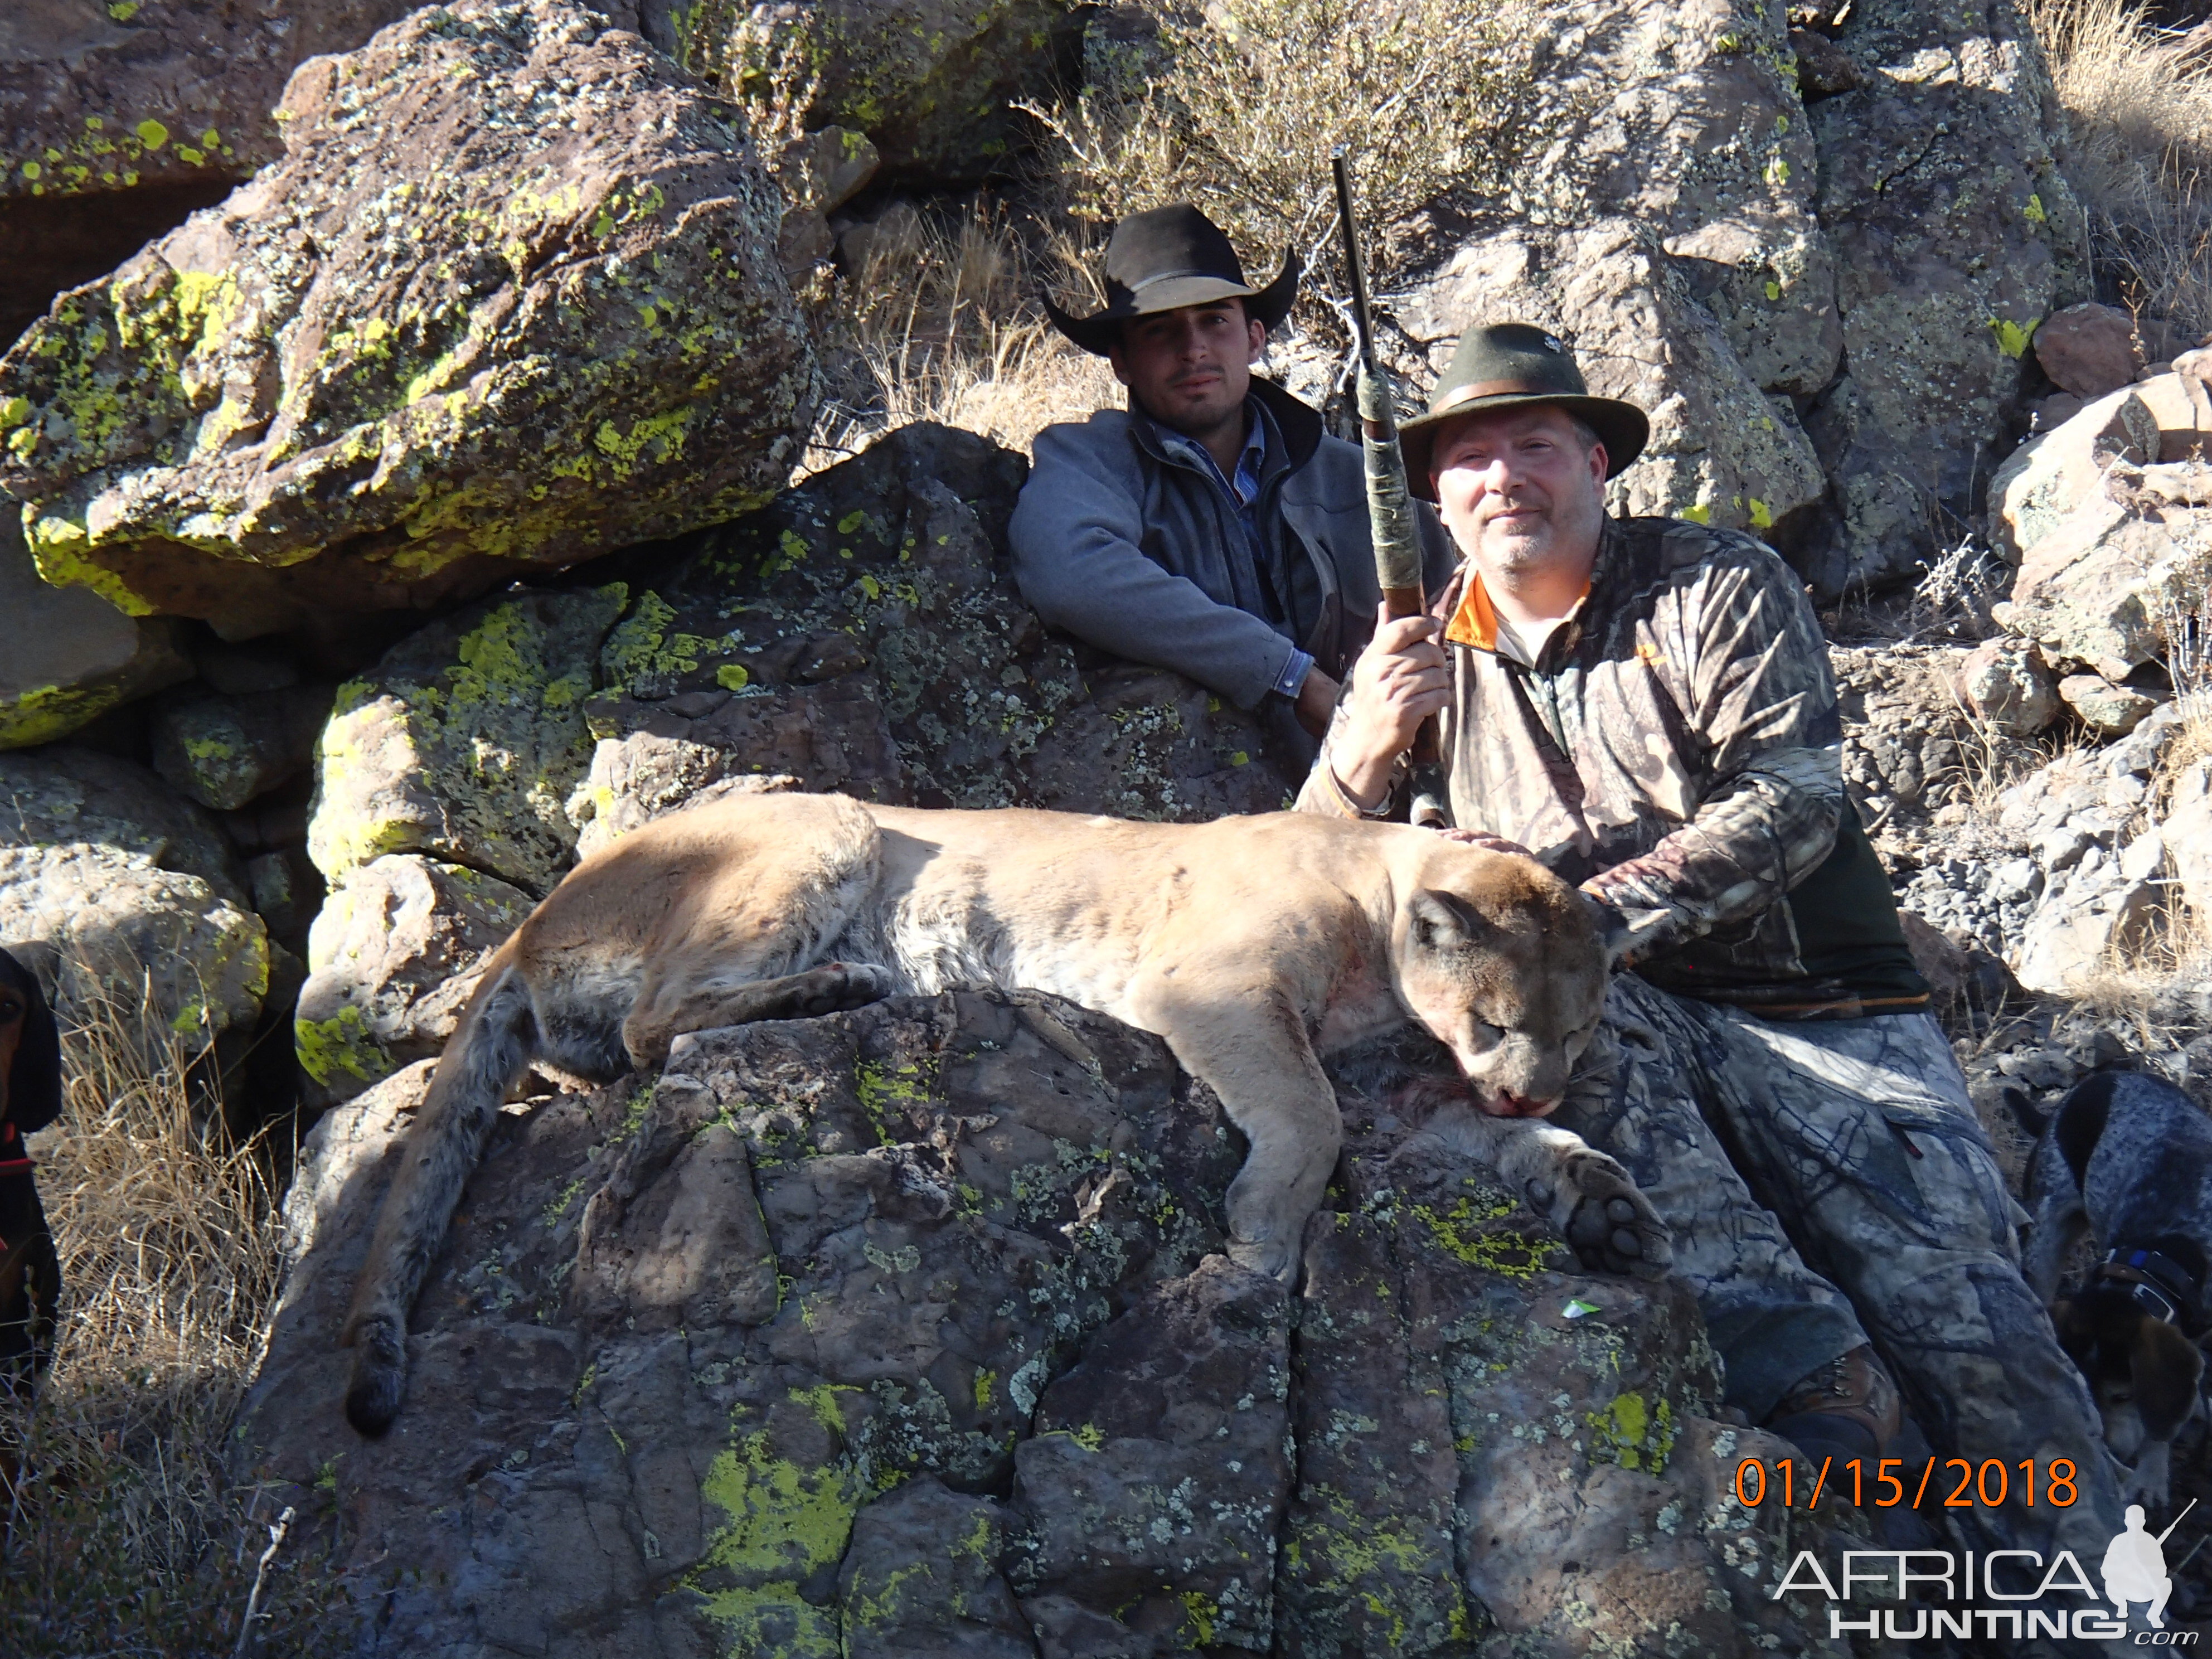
pixel 1249 944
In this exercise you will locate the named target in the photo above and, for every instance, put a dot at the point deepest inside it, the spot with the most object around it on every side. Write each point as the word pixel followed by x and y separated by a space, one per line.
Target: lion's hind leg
pixel 676 1007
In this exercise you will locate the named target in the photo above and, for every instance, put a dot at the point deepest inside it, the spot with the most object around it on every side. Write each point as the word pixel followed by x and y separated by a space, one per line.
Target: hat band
pixel 1475 389
pixel 1180 275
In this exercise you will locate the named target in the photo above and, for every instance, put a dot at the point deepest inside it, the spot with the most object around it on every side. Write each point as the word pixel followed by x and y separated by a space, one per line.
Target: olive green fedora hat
pixel 1164 260
pixel 1504 366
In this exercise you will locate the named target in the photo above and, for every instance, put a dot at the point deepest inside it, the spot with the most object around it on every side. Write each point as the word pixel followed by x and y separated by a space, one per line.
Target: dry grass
pixel 938 320
pixel 1236 107
pixel 2138 101
pixel 127 1538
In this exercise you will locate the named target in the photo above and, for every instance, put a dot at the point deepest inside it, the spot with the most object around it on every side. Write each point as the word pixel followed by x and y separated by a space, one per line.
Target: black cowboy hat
pixel 1165 260
pixel 1503 366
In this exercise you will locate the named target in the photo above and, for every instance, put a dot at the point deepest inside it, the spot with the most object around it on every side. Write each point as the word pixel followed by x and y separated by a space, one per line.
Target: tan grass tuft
pixel 1237 107
pixel 2138 101
pixel 939 321
pixel 126 1536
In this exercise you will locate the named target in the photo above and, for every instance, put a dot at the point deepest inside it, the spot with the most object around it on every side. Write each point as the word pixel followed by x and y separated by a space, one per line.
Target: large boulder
pixel 71 656
pixel 1954 233
pixel 117 120
pixel 118 893
pixel 902 1333
pixel 930 81
pixel 2043 481
pixel 2099 589
pixel 510 297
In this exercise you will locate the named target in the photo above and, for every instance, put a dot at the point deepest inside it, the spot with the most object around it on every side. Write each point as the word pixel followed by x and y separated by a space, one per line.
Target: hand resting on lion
pixel 1251 946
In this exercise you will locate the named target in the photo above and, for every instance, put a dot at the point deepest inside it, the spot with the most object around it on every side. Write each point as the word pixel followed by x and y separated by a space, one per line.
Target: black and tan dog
pixel 30 1099
pixel 2129 1158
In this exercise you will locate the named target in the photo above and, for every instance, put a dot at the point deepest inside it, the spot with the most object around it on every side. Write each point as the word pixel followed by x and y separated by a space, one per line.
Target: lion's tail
pixel 487 1054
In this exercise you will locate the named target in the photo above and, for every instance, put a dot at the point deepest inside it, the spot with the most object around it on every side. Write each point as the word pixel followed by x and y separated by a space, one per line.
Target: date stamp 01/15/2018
pixel 1890 1482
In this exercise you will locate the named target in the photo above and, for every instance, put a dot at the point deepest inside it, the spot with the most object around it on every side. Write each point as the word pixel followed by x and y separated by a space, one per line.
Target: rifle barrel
pixel 1340 164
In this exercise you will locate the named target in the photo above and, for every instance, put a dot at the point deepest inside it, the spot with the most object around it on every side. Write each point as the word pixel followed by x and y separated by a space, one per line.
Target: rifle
pixel 1389 505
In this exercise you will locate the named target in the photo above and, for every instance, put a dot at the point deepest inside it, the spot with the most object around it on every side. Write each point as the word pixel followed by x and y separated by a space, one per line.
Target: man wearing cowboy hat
pixel 1212 527
pixel 1646 706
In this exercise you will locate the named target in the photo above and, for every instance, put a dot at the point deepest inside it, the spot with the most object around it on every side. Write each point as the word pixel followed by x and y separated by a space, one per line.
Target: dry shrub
pixel 2138 100
pixel 127 1538
pixel 1238 108
pixel 938 320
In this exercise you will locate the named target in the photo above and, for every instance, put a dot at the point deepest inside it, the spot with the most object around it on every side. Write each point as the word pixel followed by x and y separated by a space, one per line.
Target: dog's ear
pixel 34 1075
pixel 2077 1332
pixel 2168 1367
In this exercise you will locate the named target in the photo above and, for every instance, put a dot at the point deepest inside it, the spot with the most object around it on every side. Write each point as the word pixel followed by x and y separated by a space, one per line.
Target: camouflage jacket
pixel 1675 748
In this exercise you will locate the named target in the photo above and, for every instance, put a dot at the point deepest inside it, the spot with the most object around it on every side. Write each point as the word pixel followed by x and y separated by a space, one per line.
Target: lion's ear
pixel 1612 930
pixel 1445 921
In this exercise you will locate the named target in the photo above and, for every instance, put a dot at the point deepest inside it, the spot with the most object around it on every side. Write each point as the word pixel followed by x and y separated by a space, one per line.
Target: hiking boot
pixel 1848 1408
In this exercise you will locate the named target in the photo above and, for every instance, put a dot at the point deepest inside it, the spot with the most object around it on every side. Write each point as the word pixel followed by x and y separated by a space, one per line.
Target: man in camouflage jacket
pixel 1645 705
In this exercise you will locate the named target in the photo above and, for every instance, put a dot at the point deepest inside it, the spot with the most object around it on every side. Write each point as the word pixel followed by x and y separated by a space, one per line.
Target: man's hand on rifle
pixel 1399 680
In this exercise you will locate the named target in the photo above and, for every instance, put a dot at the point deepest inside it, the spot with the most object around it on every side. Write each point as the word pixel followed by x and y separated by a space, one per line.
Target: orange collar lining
pixel 1475 623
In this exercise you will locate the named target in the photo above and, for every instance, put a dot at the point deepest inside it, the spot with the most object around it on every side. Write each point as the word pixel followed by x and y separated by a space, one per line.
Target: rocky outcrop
pixel 1760 235
pixel 1954 233
pixel 510 297
pixel 113 889
pixel 1668 235
pixel 900 1333
pixel 70 655
pixel 929 82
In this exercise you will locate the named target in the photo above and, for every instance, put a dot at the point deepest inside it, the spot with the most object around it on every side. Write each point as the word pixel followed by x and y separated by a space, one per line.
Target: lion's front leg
pixel 1251 1049
pixel 1596 1207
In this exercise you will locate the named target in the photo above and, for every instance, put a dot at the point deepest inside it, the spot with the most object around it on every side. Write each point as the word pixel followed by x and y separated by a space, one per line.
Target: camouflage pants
pixel 1827 1182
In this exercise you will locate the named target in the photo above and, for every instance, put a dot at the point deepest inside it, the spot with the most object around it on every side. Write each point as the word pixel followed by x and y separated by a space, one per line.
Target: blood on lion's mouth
pixel 1501 1103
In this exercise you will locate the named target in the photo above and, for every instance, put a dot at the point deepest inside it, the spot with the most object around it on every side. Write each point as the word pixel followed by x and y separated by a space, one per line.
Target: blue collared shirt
pixel 1244 492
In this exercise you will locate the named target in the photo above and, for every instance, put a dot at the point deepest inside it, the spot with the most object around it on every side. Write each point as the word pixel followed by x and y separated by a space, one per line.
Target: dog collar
pixel 13 1159
pixel 2156 1284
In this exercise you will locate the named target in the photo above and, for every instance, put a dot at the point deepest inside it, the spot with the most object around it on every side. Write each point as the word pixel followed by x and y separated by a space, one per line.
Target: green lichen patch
pixel 340 1046
pixel 1634 1433
pixel 1467 1232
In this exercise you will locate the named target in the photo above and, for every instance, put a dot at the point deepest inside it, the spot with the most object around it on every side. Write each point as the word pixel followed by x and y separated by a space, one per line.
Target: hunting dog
pixel 30 1099
pixel 2129 1158
pixel 1251 944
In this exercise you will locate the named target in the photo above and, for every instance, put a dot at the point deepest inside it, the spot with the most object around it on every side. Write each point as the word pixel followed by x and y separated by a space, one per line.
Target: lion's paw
pixel 1608 1223
pixel 1274 1256
pixel 843 985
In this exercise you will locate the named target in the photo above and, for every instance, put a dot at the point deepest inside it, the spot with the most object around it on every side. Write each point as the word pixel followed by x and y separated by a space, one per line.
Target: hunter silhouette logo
pixel 1932 1594
pixel 2135 1566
